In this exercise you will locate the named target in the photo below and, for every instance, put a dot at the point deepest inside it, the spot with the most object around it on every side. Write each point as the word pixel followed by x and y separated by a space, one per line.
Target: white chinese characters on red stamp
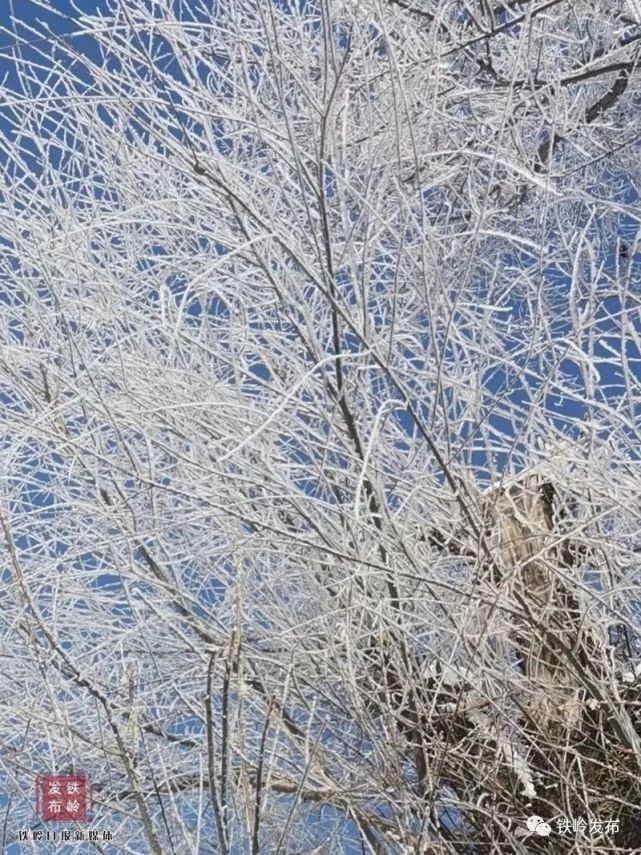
pixel 64 798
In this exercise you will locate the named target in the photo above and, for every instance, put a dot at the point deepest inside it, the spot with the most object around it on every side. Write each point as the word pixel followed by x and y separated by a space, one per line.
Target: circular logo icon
pixel 538 825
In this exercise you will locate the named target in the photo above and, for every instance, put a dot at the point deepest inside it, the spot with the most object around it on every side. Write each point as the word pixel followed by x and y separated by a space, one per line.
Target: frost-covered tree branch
pixel 320 382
